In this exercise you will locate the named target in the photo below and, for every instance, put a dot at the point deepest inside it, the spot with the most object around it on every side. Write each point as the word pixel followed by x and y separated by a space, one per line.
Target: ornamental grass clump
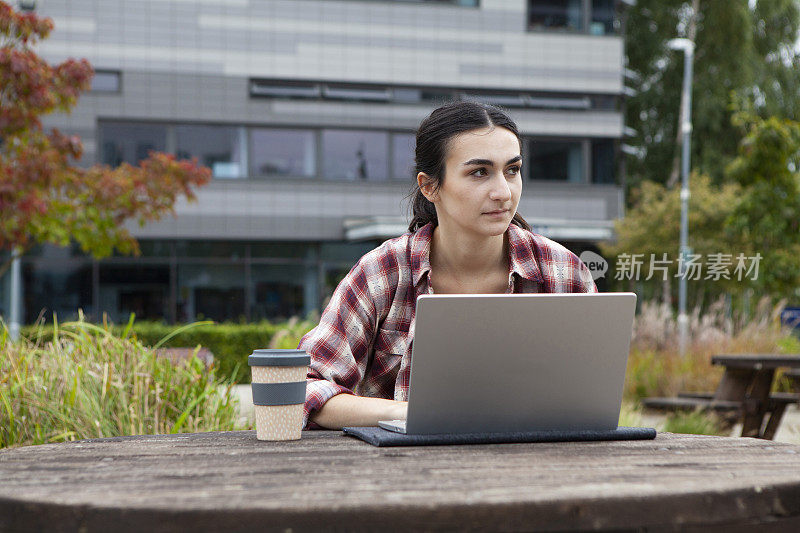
pixel 656 367
pixel 87 382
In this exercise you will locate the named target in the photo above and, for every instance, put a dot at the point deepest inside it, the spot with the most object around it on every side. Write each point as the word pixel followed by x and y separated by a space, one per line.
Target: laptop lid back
pixel 518 362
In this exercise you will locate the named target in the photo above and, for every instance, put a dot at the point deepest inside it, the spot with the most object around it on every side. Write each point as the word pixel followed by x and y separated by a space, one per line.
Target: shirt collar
pixel 522 259
pixel 421 252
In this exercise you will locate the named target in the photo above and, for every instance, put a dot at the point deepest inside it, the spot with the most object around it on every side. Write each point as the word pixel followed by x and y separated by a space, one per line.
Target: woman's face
pixel 482 183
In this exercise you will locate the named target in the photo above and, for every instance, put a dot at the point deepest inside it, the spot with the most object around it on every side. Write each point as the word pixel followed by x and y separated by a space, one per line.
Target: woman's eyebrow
pixel 488 163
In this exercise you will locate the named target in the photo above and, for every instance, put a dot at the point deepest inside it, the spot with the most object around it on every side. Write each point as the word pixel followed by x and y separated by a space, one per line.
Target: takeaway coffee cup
pixel 279 391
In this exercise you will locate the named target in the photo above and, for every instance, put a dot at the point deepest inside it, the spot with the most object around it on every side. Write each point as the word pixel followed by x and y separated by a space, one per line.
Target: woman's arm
pixel 349 410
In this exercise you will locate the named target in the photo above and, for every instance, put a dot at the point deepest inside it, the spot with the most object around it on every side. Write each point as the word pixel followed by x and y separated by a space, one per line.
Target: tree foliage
pixel 755 211
pixel 652 228
pixel 44 196
pixel 766 217
pixel 744 53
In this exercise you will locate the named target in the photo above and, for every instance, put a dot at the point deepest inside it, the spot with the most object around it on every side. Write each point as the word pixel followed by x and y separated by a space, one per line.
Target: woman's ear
pixel 426 186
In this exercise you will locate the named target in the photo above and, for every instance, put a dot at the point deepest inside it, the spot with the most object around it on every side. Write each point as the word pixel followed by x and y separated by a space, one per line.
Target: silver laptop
pixel 517 362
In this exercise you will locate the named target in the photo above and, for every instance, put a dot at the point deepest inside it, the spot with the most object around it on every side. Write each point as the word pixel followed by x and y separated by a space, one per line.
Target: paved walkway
pixel 789 430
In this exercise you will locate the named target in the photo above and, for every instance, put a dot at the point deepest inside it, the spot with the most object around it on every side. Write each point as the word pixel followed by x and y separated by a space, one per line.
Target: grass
pixel 696 423
pixel 630 415
pixel 656 368
pixel 88 382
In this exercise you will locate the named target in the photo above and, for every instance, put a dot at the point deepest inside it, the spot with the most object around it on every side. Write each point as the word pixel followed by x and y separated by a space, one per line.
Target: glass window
pixel 555 14
pixel 214 292
pixel 344 252
pixel 557 160
pixel 332 276
pixel 217 147
pixel 603 161
pixel 403 145
pixel 149 248
pixel 278 291
pixel 284 89
pixel 354 155
pixel 105 81
pixel 139 289
pixel 60 287
pixel 604 20
pixel 152 248
pixel 369 93
pixel 211 249
pixel 282 152
pixel 131 142
pixel 280 250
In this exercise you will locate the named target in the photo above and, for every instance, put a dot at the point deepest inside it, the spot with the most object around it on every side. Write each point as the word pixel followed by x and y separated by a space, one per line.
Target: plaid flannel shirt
pixel 362 344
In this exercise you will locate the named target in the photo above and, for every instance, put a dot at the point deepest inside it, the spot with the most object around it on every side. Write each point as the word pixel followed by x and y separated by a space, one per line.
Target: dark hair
pixel 433 140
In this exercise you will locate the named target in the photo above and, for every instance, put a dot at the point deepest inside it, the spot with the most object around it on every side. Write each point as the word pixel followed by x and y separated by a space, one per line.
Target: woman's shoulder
pixel 385 262
pixel 563 270
pixel 392 250
pixel 541 247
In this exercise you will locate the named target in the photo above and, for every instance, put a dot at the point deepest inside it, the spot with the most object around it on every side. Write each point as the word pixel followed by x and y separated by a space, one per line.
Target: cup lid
pixel 278 358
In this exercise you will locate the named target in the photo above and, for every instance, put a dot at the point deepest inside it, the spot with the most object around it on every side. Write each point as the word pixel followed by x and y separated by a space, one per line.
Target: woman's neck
pixel 467 255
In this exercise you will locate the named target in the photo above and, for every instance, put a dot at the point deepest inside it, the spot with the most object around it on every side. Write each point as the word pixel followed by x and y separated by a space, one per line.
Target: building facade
pixel 305 110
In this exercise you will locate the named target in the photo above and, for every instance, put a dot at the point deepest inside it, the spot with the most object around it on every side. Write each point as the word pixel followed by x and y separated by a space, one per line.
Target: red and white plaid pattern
pixel 362 344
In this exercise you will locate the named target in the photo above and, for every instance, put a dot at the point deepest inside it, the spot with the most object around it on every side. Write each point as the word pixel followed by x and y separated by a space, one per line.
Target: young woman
pixel 465 237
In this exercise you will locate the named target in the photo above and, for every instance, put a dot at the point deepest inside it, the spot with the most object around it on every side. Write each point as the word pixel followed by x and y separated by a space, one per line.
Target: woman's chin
pixel 494 228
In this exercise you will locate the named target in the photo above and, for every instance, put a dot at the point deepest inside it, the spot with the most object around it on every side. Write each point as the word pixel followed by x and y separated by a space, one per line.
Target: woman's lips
pixel 498 213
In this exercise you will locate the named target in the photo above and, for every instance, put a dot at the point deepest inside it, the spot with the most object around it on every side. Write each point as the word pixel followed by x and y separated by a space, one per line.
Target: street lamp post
pixel 15 301
pixel 687 45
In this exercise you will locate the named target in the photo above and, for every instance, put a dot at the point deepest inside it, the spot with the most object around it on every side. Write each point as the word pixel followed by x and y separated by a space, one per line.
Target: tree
pixel 652 228
pixel 766 217
pixel 744 52
pixel 44 196
pixel 756 212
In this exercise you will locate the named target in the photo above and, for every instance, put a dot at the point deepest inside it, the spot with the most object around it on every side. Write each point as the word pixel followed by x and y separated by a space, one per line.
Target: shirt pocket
pixel 389 349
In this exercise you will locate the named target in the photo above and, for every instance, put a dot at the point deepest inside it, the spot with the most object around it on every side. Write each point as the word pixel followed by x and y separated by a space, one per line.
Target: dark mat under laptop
pixel 382 437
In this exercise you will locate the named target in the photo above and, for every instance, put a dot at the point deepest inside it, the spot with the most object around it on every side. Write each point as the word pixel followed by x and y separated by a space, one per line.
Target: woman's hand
pixel 349 410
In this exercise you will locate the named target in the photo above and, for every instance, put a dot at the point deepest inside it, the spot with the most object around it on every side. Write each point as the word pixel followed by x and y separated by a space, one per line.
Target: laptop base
pixel 398 426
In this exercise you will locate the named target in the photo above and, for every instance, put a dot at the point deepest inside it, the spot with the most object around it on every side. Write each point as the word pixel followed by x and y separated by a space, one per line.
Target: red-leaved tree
pixel 44 197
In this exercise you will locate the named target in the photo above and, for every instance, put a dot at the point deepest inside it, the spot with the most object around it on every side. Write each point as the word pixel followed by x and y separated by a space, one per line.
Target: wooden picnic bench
pixel 743 393
pixel 229 481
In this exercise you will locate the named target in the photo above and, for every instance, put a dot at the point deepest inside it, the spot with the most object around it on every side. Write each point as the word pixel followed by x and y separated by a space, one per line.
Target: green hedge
pixel 230 343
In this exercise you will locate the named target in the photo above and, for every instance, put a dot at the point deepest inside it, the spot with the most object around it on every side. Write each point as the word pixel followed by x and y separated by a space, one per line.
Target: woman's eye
pixel 475 172
pixel 515 170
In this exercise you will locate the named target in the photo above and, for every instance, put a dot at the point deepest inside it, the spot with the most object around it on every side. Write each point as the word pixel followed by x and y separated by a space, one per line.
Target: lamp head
pixel 687 45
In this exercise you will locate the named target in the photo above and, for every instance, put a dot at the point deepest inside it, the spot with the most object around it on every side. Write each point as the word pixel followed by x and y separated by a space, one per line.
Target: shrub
pixel 88 382
pixel 230 343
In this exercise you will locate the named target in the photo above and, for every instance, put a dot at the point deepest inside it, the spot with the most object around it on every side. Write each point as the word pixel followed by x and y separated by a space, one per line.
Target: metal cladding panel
pixel 186 61
pixel 385 42
pixel 285 210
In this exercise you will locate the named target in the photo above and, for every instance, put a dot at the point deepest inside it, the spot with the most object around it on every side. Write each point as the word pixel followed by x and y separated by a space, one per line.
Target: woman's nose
pixel 500 189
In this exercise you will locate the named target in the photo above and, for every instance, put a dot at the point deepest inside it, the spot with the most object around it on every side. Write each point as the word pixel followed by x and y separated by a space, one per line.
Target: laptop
pixel 495 363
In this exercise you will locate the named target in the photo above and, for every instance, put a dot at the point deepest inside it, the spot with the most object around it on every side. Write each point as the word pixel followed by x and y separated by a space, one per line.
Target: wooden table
pixel 748 379
pixel 328 481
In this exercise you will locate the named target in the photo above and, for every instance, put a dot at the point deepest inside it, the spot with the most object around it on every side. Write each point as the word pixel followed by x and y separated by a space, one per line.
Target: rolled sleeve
pixel 339 346
pixel 319 391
